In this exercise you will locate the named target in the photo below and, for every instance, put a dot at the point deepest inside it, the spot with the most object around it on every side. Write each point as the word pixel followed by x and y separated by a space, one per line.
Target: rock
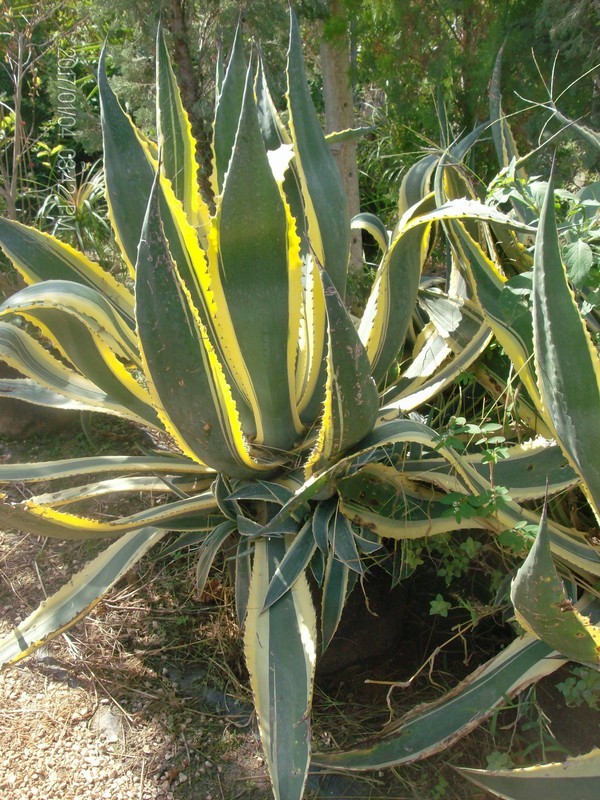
pixel 109 722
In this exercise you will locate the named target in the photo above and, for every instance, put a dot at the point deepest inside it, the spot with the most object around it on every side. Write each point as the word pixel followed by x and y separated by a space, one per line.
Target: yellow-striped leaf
pixel 77 598
pixel 280 645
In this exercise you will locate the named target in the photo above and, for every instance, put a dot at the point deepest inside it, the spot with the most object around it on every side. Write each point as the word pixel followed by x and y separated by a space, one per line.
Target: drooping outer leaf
pixel 24 352
pixel 529 470
pixel 69 467
pixel 196 512
pixel 576 777
pixel 325 200
pixel 71 603
pixel 544 609
pixel 381 499
pixel 89 305
pixel 41 257
pixel 566 361
pixel 185 376
pixel 279 644
pixel 84 327
pixel 433 727
pixel 260 268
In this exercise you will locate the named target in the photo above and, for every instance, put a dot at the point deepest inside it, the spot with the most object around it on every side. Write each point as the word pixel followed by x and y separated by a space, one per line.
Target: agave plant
pixel 285 419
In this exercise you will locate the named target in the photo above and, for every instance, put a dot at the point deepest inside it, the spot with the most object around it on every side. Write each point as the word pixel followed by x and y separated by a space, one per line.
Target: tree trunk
pixel 339 115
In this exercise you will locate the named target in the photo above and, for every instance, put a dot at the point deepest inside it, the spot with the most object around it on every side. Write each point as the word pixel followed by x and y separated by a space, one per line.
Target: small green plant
pixel 75 210
pixel 582 687
pixel 439 607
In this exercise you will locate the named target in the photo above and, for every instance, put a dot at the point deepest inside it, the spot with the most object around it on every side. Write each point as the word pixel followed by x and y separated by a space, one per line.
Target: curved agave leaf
pixel 577 776
pixel 447 346
pixel 71 467
pixel 371 224
pixel 386 502
pixel 28 356
pixel 351 400
pixel 260 267
pixel 77 598
pixel 83 327
pixel 566 361
pixel 529 471
pixel 31 392
pixel 433 727
pixel 544 610
pixel 194 513
pixel 416 184
pixel 395 287
pixel 397 280
pixel 326 205
pixel 227 112
pixel 185 377
pixel 40 257
pixel 569 545
pixel 279 645
pixel 418 392
pixel 176 143
pixel 87 305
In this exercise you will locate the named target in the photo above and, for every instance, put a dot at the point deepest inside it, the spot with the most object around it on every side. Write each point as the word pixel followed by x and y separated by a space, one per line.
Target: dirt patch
pixel 95 713
pixel 147 698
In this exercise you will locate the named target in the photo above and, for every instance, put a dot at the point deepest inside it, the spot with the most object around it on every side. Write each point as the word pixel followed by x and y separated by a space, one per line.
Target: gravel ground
pixel 96 714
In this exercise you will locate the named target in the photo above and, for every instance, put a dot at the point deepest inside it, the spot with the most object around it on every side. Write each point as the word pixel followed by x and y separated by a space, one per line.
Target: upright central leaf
pixel 258 262
pixel 184 373
pixel 326 202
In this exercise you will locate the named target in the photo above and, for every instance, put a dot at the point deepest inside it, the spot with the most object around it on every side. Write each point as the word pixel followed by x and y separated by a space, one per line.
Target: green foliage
pixel 286 426
pixel 582 687
pixel 439 606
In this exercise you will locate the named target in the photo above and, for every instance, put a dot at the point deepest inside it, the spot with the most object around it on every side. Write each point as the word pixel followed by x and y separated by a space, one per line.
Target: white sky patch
pixel 279 160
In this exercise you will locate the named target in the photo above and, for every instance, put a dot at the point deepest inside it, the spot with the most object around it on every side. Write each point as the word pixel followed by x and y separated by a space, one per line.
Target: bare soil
pixel 146 699
pixel 105 711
